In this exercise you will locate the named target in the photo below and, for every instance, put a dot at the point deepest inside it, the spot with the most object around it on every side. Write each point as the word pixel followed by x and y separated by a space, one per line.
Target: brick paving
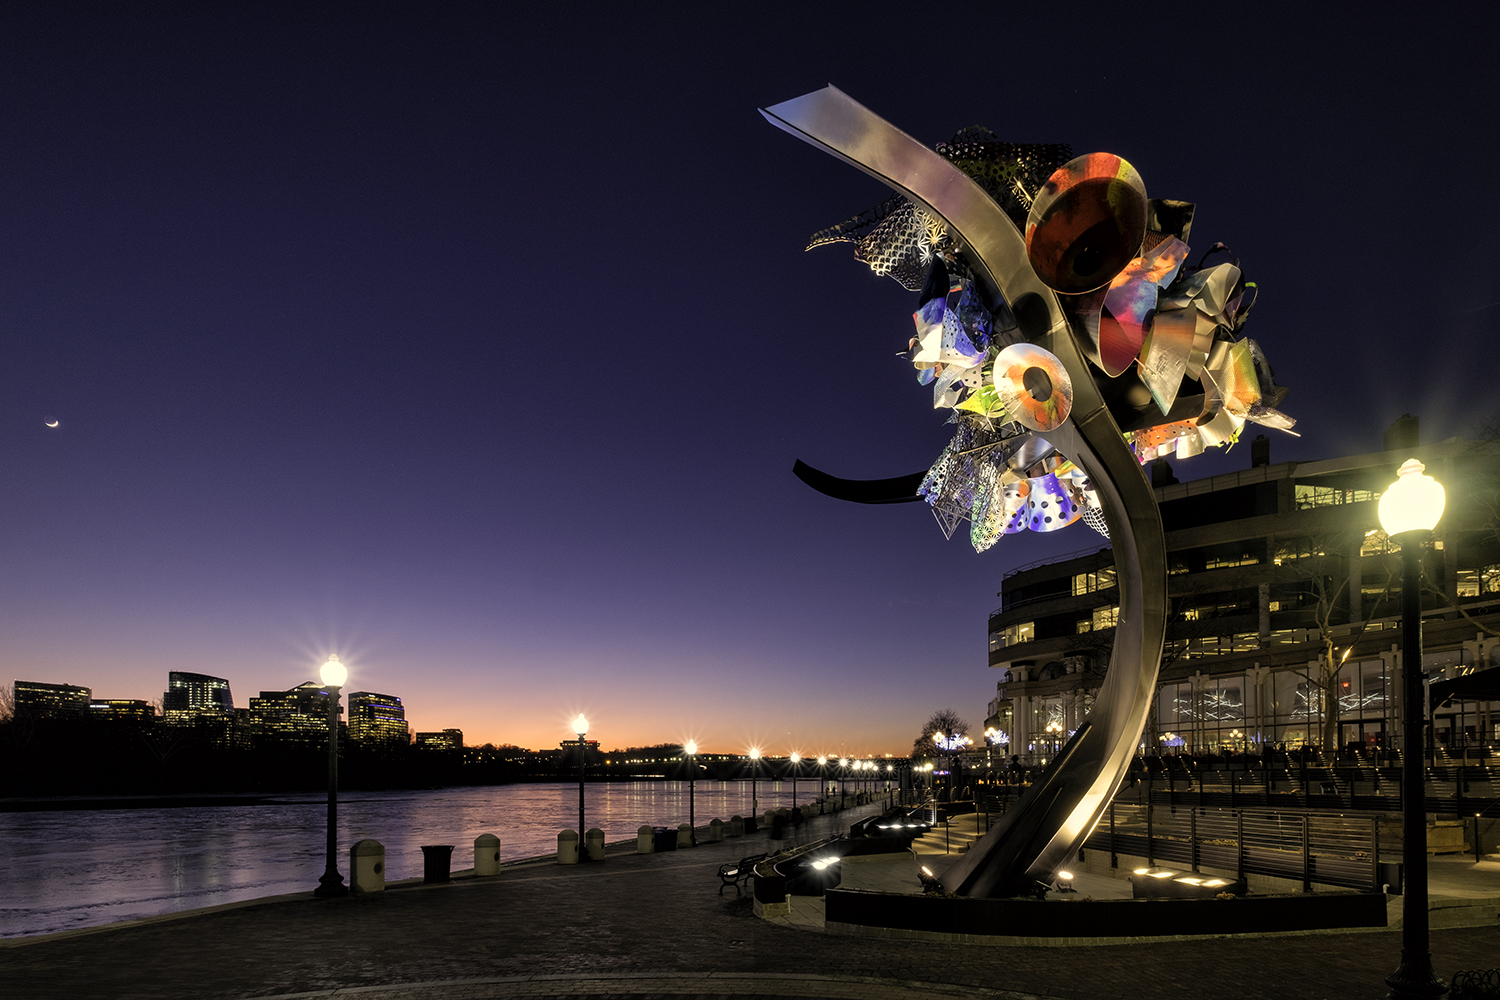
pixel 654 925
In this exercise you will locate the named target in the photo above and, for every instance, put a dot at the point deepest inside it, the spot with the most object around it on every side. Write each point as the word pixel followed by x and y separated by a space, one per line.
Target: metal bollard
pixel 736 826
pixel 486 854
pixel 594 844
pixel 567 847
pixel 645 840
pixel 684 835
pixel 367 867
pixel 715 831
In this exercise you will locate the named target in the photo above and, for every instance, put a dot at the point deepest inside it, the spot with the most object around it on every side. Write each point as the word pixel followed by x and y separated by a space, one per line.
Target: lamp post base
pixel 330 885
pixel 1415 981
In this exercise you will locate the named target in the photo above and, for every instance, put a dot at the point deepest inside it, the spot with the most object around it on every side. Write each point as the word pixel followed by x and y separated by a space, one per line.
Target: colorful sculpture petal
pixel 1164 356
pixel 1048 505
pixel 1033 386
pixel 1130 304
pixel 1086 223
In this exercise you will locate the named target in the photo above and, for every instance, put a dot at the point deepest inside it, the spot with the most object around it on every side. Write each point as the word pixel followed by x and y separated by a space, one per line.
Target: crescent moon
pixel 50 423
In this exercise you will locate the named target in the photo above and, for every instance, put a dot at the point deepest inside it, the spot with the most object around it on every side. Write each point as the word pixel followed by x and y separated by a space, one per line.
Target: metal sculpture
pixel 993 325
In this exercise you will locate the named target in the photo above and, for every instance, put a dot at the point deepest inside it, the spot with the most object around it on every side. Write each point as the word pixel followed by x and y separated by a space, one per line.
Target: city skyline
pixel 476 347
pixel 87 700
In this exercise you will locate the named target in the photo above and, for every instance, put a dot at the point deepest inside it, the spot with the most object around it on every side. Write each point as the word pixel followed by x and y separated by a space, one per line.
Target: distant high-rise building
pixel 37 700
pixel 300 713
pixel 130 709
pixel 376 720
pixel 448 739
pixel 190 697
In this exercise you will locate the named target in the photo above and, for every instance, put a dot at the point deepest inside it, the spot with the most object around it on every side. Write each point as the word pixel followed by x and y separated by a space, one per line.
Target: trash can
pixel 436 861
pixel 664 838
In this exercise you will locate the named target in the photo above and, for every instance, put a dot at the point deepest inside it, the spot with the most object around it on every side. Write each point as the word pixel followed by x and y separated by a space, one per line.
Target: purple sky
pixel 477 347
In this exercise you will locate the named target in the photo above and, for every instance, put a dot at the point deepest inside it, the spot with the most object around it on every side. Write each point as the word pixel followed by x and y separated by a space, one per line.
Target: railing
pixel 1327 849
pixel 1091 550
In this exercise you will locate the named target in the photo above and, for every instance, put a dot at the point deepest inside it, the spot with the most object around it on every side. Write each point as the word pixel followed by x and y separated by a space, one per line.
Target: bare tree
pixel 945 721
pixel 7 702
pixel 1323 565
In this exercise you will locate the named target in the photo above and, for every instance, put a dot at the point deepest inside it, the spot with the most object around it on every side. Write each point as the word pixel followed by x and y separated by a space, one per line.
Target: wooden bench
pixel 738 872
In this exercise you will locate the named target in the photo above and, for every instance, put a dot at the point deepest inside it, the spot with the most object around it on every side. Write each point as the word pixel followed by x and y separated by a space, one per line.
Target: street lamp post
pixel 1409 510
pixel 754 773
pixel 823 778
pixel 333 675
pixel 581 727
pixel 843 773
pixel 692 754
pixel 796 762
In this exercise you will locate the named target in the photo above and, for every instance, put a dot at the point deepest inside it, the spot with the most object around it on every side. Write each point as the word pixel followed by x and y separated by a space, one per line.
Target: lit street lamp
pixel 822 777
pixel 843 773
pixel 581 727
pixel 692 754
pixel 796 763
pixel 754 772
pixel 1409 510
pixel 1054 734
pixel 333 675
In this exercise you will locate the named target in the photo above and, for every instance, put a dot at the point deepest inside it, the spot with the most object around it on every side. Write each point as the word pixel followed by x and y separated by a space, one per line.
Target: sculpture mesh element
pixel 856 229
pixel 948 520
pixel 894 238
pixel 1094 518
pixel 965 472
pixel 1011 173
pixel 898 239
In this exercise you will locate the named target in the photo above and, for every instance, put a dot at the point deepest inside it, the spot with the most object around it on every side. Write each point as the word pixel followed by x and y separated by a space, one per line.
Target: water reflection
pixel 70 869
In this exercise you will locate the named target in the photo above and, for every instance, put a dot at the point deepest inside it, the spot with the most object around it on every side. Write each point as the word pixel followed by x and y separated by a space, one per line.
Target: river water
pixel 61 870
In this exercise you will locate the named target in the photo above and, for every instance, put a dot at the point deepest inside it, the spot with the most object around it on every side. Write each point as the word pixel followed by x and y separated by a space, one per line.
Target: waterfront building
pixel 1284 616
pixel 299 714
pixel 448 739
pixel 122 709
pixel 377 720
pixel 191 697
pixel 39 700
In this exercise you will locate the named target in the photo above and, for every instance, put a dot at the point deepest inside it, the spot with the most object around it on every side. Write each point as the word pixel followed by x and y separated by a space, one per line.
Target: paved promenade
pixel 639 926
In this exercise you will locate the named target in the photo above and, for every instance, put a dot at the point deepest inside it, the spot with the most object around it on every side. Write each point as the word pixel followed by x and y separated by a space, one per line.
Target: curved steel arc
pixel 900 489
pixel 1039 834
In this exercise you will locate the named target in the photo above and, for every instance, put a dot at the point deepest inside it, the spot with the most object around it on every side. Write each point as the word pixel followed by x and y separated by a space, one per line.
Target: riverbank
pixel 68 868
pixel 653 925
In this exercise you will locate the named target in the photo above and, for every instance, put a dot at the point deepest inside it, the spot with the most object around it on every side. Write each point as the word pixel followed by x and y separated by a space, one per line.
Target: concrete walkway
pixel 639 926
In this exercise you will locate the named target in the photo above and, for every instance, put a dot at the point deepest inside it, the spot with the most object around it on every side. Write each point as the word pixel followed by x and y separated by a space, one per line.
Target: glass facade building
pixel 377 720
pixel 1284 613
pixel 190 697
pixel 39 700
pixel 299 714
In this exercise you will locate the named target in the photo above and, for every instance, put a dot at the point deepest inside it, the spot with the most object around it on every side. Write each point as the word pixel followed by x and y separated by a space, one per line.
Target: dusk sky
pixel 477 346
